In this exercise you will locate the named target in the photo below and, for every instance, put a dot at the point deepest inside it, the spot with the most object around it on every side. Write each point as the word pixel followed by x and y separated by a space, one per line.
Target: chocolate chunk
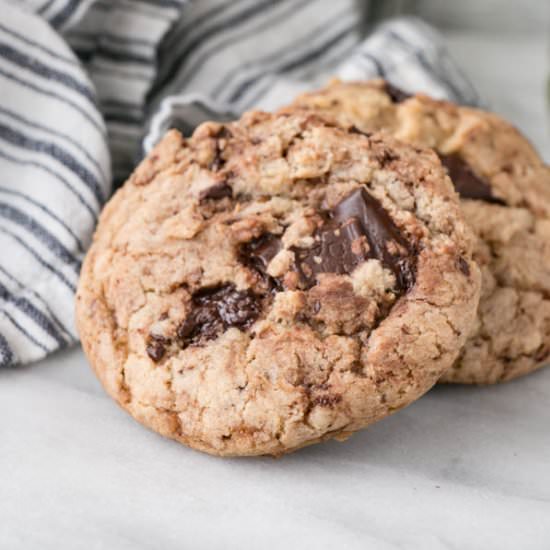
pixel 156 346
pixel 396 95
pixel 257 254
pixel 338 249
pixel 216 309
pixel 358 228
pixel 467 183
pixel 217 191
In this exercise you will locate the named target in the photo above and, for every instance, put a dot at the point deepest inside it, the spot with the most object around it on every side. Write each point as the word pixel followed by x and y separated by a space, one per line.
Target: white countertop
pixel 463 468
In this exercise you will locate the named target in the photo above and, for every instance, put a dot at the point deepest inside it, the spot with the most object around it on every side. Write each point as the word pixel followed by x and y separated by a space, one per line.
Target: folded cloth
pixel 88 86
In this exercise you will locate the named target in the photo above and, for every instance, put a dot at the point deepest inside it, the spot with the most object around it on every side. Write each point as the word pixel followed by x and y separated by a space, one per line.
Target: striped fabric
pixel 86 86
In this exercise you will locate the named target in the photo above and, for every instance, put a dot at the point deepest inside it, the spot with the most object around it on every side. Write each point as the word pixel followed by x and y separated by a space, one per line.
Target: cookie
pixel 276 282
pixel 505 192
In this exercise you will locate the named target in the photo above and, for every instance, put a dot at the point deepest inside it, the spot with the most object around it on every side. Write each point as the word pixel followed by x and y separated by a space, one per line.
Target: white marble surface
pixel 463 468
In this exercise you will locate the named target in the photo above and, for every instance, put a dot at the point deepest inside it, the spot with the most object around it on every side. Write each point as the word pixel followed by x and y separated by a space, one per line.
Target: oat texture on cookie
pixel 274 282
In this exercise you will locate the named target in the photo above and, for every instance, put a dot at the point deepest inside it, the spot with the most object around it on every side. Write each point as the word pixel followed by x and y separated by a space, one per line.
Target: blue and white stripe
pixel 55 176
pixel 87 85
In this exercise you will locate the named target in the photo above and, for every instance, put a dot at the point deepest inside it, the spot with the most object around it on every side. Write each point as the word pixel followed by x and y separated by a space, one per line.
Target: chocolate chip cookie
pixel 505 192
pixel 275 282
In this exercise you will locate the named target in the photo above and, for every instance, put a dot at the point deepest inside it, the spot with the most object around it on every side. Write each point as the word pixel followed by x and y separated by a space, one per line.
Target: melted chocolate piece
pixel 217 191
pixel 358 228
pixel 396 95
pixel 156 346
pixel 216 309
pixel 467 183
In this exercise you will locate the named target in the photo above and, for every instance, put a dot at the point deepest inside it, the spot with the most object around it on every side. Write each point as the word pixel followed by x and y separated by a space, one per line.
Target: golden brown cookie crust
pixel 511 336
pixel 315 358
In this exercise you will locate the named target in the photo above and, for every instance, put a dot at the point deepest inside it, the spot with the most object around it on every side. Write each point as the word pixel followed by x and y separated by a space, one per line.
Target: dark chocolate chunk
pixel 396 95
pixel 358 228
pixel 338 249
pixel 217 191
pixel 467 183
pixel 216 309
pixel 257 254
pixel 156 346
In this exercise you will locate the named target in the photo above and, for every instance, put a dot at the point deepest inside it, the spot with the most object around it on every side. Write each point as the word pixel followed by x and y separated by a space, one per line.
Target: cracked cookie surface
pixel 505 192
pixel 275 282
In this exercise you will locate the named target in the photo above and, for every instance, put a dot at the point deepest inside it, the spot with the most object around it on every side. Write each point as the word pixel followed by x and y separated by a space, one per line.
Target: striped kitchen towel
pixel 88 86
